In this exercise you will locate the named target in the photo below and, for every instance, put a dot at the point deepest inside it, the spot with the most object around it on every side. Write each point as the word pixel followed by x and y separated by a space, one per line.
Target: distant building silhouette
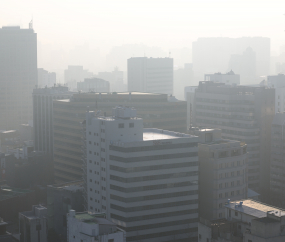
pixel 45 78
pixel 229 78
pixel 18 75
pixel 153 75
pixel 93 85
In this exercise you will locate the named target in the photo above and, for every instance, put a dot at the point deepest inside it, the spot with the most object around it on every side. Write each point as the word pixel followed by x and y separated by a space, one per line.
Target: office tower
pixel 43 115
pixel 278 83
pixel 155 109
pixel 245 65
pixel 33 224
pixel 182 78
pixel 74 74
pixel 212 55
pixel 146 180
pixel 153 75
pixel 45 78
pixel 93 85
pixel 92 228
pixel 18 75
pixel 189 95
pixel 277 185
pixel 229 78
pixel 246 220
pixel 245 114
pixel 222 172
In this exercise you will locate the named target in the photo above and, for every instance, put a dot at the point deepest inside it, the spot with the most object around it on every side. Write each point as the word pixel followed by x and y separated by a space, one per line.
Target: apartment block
pixel 222 167
pixel 145 180
pixel 155 110
pixel 245 114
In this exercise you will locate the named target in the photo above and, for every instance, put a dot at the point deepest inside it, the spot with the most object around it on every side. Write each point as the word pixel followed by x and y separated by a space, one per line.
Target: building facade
pixel 155 109
pixel 222 167
pixel 18 76
pixel 146 180
pixel 61 198
pixel 153 75
pixel 43 115
pixel 278 83
pixel 45 78
pixel 244 114
pixel 33 224
pixel 90 227
pixel 93 85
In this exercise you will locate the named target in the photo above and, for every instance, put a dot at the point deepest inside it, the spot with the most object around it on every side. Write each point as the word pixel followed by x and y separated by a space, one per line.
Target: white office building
pixel 146 180
pixel 90 227
pixel 153 75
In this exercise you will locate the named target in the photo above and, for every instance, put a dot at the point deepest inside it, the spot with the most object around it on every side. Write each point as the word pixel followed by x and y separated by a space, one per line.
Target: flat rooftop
pixel 93 218
pixel 160 134
pixel 8 192
pixel 255 208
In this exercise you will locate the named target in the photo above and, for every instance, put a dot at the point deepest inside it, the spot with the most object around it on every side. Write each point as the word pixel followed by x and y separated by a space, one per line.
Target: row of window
pixel 226 184
pixel 231 194
pixel 233 173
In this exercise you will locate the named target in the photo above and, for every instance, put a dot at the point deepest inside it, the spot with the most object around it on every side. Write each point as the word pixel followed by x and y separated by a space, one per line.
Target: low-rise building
pixel 246 221
pixel 33 225
pixel 92 228
pixel 60 199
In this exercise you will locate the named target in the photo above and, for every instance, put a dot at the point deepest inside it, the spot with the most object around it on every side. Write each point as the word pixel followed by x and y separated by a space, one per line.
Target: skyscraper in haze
pixel 18 75
pixel 153 75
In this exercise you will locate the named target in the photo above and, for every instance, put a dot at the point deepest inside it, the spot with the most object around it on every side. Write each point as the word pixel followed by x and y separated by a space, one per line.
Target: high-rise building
pixel 146 180
pixel 93 85
pixel 43 115
pixel 278 83
pixel 45 78
pixel 212 55
pixel 155 109
pixel 222 172
pixel 18 75
pixel 229 78
pixel 277 168
pixel 245 114
pixel 153 75
pixel 182 78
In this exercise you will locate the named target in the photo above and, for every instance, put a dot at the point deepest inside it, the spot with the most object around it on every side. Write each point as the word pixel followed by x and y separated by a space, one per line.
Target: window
pixel 226 184
pixel 232 193
pixel 221 185
pixel 220 215
pixel 249 240
pixel 89 132
pixel 238 183
pixel 238 163
pixel 220 205
pixel 232 184
pixel 90 161
pixel 226 194
pixel 207 240
pixel 220 195
pixel 230 213
pixel 236 213
pixel 237 192
pixel 238 173
pixel 121 126
pixel 232 173
pixel 200 236
pixel 131 125
pixel 89 142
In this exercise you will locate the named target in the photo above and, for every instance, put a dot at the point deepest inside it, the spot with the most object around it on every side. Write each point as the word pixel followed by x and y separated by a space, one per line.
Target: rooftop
pixel 160 134
pixel 8 192
pixel 254 208
pixel 93 218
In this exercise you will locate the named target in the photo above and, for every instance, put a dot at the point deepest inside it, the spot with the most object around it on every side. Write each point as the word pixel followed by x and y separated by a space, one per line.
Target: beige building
pixel 222 166
pixel 155 109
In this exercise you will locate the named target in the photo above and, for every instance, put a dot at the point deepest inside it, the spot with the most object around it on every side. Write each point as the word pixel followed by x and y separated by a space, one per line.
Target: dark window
pixel 236 213
pixel 121 126
pixel 131 125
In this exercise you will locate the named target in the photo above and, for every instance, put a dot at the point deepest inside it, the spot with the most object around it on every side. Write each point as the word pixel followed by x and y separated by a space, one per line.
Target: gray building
pixel 244 114
pixel 222 168
pixel 33 225
pixel 146 180
pixel 277 169
pixel 60 199
pixel 153 75
pixel 45 78
pixel 229 78
pixel 18 75
pixel 43 115
pixel 93 85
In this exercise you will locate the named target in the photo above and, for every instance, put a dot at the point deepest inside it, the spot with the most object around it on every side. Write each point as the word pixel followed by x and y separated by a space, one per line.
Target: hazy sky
pixel 164 23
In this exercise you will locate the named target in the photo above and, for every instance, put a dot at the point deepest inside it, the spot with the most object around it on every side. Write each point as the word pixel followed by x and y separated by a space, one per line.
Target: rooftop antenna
pixel 31 24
